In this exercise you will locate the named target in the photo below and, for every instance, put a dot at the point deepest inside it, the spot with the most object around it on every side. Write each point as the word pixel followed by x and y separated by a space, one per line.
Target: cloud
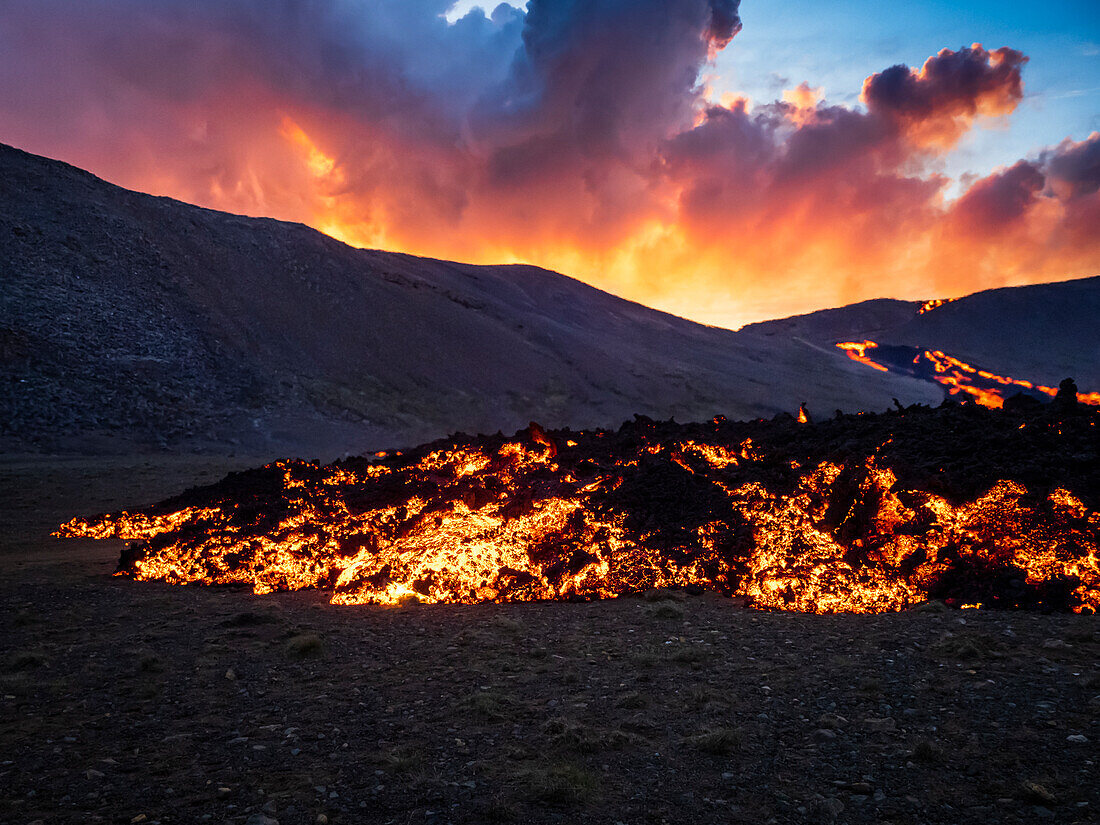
pixel 937 105
pixel 994 204
pixel 1073 169
pixel 575 134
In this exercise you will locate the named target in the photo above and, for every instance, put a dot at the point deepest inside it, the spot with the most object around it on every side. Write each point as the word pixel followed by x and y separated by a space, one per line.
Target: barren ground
pixel 140 702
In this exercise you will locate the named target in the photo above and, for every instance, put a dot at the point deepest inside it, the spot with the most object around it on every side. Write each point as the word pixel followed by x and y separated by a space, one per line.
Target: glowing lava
pixel 935 303
pixel 857 514
pixel 957 377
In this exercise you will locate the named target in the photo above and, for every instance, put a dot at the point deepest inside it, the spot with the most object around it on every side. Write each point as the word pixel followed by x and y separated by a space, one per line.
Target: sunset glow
pixel 572 138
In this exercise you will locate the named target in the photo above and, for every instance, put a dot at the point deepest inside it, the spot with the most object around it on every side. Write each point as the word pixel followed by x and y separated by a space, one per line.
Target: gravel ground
pixel 140 702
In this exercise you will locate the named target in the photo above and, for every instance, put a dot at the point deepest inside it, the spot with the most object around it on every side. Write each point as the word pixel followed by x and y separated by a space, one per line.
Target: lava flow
pixel 860 513
pixel 957 377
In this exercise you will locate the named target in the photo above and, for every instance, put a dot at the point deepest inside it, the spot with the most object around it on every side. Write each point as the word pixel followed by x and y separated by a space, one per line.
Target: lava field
pixel 978 507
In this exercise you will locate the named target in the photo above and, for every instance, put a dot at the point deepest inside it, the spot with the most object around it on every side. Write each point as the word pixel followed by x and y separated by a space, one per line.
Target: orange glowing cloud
pixel 935 106
pixel 803 101
pixel 574 136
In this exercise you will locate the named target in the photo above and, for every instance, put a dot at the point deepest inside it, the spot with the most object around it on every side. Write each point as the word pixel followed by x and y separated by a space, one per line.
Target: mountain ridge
pixel 1038 332
pixel 130 321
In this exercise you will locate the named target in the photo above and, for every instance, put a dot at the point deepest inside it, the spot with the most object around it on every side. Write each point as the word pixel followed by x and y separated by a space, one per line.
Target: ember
pixel 957 377
pixel 861 513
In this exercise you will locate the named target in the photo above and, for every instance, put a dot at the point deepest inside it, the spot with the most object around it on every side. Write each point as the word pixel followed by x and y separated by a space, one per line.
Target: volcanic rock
pixel 969 505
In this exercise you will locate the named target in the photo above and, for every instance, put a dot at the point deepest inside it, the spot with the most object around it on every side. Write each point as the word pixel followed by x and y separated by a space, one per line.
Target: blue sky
pixel 836 45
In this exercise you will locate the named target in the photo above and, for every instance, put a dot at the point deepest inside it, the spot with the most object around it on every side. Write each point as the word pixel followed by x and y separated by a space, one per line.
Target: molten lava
pixel 957 377
pixel 857 514
pixel 935 303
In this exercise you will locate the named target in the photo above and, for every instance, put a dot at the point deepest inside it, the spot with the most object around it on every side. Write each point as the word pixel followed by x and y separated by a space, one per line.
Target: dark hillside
pixel 130 321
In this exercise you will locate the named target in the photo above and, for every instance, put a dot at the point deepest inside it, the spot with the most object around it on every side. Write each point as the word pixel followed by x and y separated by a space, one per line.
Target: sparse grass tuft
pixel 1036 794
pixel 408 600
pixel 499 809
pixel 305 645
pixel 693 655
pixel 22 662
pixel 573 736
pixel 645 659
pixel 925 750
pixel 486 705
pixel 569 676
pixel 561 784
pixel 402 759
pixel 870 685
pixel 662 594
pixel 666 611
pixel 1083 636
pixel 698 697
pixel 932 606
pixel 248 618
pixel 717 742
pixel 471 635
pixel 631 701
pixel 506 625
pixel 969 646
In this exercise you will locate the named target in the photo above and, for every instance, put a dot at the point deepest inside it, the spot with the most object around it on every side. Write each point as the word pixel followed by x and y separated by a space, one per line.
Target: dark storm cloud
pixel 604 79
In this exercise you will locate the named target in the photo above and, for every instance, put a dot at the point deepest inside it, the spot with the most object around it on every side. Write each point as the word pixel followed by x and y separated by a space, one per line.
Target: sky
pixel 726 161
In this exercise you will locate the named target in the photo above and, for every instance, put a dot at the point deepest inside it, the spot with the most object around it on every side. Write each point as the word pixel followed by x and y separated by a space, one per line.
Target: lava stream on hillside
pixel 959 379
pixel 859 513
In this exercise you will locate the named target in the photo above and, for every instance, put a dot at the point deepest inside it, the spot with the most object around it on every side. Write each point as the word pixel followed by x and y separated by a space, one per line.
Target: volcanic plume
pixel 860 513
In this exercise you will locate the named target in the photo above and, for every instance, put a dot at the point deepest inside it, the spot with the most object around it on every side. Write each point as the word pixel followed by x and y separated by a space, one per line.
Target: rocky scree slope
pixel 130 322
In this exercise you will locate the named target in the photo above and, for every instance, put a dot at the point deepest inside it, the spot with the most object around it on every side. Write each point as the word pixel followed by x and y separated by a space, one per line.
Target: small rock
pixel 269 807
pixel 1077 738
pixel 260 819
pixel 830 808
pixel 860 788
pixel 92 773
pixel 1055 644
pixel 824 735
pixel 321 819
pixel 1037 793
pixel 885 725
pixel 230 675
pixel 831 721
pixel 223 793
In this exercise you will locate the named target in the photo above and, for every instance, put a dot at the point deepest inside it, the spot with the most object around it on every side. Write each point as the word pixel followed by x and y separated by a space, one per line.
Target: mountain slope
pixel 1040 333
pixel 129 321
pixel 867 319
